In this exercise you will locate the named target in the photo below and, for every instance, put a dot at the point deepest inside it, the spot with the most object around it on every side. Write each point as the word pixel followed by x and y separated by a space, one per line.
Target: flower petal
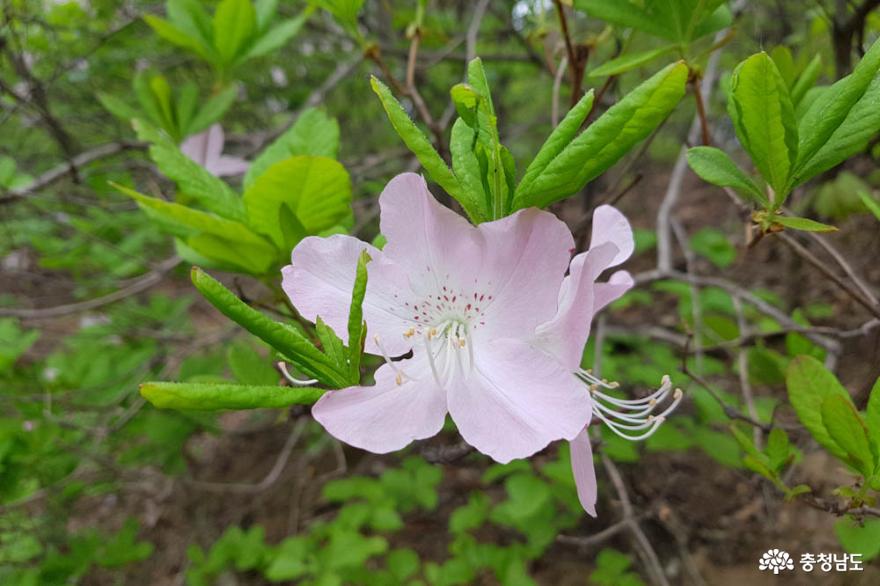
pixel 619 283
pixel 516 401
pixel 214 144
pixel 609 225
pixel 385 417
pixel 194 147
pixel 429 240
pixel 584 471
pixel 524 263
pixel 228 166
pixel 320 279
pixel 565 335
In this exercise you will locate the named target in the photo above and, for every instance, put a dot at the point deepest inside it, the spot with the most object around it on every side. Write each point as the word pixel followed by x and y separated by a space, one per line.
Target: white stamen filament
pixel 400 375
pixel 298 382
pixel 623 416
pixel 445 345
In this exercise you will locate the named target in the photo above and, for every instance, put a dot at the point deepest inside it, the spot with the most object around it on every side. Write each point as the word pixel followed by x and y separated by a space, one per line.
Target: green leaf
pixel 806 80
pixel 213 110
pixel 193 219
pixel 193 180
pixel 234 24
pixel 630 15
pixel 229 254
pixel 607 139
pixel 421 147
pixel 803 224
pixel 209 397
pixel 313 133
pixel 465 164
pixel 846 428
pixel 715 166
pixel 809 383
pixel 784 61
pixel 116 106
pixel 357 327
pixel 190 17
pixel 185 107
pixel 833 110
pixel 872 204
pixel 559 139
pixel 858 538
pixel 778 448
pixel 852 136
pixel 175 36
pixel 872 415
pixel 285 340
pixel 279 35
pixel 763 117
pixel 146 98
pixel 402 563
pixel 630 61
pixel 317 190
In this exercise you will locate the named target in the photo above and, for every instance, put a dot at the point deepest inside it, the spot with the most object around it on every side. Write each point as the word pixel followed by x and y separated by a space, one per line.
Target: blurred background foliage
pixel 99 487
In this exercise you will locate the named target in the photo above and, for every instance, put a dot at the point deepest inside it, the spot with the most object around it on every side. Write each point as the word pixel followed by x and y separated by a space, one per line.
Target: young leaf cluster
pixel 295 188
pixel 791 130
pixel 825 408
pixel 678 23
pixel 332 364
pixel 482 177
pixel 179 113
pixel 239 30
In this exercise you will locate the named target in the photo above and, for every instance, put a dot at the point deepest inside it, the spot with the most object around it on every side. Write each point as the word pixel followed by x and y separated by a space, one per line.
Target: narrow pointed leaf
pixel 559 138
pixel 213 109
pixel 629 62
pixel 607 139
pixel 872 416
pixel 357 327
pixel 803 224
pixel 831 108
pixel 872 204
pixel 211 396
pixel 714 166
pixel 806 80
pixel 191 178
pixel 421 147
pixel 234 24
pixel 861 124
pixel 285 340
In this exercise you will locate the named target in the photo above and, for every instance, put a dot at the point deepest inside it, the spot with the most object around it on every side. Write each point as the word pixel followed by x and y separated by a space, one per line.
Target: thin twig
pixel 141 284
pixel 269 480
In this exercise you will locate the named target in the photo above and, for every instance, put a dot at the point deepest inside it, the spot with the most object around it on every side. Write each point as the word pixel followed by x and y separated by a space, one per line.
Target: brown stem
pixel 701 110
pixel 576 60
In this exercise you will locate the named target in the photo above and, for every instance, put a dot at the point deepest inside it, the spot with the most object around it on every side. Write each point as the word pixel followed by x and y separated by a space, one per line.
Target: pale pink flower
pixel 206 149
pixel 495 328
pixel 580 298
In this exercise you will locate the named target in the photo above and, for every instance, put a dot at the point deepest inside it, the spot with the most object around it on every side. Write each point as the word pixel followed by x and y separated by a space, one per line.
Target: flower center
pixel 449 349
pixel 632 419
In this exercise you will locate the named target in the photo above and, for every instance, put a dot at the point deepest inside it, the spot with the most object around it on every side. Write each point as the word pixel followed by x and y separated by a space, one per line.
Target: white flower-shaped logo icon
pixel 775 560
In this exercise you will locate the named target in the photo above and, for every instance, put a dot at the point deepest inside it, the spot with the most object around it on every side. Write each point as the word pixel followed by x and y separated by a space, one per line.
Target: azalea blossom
pixel 206 149
pixel 494 326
